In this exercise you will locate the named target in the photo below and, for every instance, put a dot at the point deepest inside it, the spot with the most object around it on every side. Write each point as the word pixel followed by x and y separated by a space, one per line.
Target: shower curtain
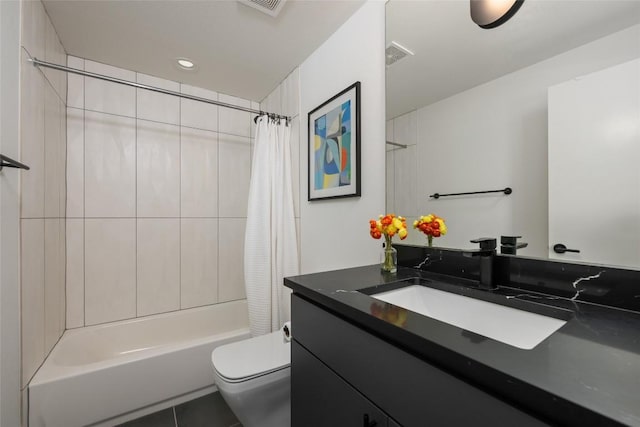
pixel 270 247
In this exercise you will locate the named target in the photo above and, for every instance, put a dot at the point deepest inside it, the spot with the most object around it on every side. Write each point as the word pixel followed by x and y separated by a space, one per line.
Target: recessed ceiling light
pixel 185 64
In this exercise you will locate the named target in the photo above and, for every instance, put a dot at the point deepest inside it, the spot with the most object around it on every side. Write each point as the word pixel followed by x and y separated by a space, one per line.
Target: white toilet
pixel 253 377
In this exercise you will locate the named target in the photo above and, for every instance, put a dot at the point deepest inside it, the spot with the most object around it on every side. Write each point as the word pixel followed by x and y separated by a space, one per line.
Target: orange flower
pixel 431 225
pixel 388 225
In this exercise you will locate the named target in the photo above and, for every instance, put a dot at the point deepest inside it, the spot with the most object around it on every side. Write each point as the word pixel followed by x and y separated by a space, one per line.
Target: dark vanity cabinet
pixel 345 376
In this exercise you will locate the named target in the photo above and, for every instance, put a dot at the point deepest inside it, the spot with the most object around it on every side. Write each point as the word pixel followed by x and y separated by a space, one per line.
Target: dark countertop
pixel 586 373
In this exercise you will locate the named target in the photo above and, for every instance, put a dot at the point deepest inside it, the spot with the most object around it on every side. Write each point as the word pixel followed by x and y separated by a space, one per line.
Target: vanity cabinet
pixel 341 372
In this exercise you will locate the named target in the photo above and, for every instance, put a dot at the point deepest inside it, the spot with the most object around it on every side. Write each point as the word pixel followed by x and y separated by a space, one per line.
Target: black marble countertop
pixel 586 373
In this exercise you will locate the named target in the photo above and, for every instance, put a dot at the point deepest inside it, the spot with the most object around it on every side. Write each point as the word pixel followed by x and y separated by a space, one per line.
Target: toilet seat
pixel 245 360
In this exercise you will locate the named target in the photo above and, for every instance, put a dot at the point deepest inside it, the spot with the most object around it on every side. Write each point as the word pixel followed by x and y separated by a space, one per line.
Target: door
pixel 594 178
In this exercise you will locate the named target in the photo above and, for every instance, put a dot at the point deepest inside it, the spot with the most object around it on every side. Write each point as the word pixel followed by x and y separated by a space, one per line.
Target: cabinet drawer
pixel 323 399
pixel 408 389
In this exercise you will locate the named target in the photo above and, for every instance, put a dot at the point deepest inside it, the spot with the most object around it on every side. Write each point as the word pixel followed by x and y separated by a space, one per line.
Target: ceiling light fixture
pixel 185 64
pixel 492 13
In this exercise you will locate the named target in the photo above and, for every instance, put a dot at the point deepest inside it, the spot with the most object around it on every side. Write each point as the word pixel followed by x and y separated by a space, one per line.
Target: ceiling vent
pixel 395 52
pixel 270 7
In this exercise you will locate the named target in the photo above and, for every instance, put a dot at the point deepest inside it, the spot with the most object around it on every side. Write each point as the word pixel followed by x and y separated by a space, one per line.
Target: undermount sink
pixel 518 328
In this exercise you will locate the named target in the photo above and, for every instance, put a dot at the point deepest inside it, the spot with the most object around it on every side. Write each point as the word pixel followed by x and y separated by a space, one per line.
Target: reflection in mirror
pixel 547 104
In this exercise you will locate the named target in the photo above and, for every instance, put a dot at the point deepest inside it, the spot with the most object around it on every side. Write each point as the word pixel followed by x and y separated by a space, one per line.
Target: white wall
pixel 43 188
pixel 157 197
pixel 9 216
pixel 491 137
pixel 334 233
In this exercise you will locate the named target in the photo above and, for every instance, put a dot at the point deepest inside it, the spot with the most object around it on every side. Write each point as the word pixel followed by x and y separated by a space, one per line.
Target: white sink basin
pixel 517 328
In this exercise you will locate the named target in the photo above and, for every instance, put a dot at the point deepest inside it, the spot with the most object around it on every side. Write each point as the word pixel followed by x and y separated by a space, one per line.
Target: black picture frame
pixel 333 131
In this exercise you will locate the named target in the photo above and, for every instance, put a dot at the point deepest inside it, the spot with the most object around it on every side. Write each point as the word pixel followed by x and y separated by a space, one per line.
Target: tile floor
pixel 206 411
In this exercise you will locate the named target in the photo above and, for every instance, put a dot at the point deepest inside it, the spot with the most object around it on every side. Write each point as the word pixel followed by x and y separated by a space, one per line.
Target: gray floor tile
pixel 206 411
pixel 162 418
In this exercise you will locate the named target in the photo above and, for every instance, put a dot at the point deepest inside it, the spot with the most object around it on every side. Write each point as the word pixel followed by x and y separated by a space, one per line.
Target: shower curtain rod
pixel 39 63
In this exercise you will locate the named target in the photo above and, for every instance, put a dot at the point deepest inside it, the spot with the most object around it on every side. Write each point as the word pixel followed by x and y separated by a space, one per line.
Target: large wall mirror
pixel 547 104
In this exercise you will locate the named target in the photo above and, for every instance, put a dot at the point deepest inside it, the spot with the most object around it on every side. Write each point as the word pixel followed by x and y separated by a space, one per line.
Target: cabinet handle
pixel 368 423
pixel 559 248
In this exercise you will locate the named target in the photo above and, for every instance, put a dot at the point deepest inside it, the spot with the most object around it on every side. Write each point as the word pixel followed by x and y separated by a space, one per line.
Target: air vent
pixel 395 52
pixel 270 7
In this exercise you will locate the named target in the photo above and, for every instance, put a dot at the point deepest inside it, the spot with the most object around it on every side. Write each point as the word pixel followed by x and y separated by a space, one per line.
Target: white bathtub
pixel 98 373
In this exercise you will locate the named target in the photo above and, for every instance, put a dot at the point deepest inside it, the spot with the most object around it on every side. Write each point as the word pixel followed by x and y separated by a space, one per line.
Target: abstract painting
pixel 334 146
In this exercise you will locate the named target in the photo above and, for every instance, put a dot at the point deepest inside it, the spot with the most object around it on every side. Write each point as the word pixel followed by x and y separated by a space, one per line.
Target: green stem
pixel 389 264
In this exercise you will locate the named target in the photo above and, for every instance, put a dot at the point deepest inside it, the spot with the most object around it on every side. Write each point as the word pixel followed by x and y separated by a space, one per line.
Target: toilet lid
pixel 252 357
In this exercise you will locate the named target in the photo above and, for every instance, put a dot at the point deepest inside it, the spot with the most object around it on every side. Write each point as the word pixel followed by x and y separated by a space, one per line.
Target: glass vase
pixel 389 259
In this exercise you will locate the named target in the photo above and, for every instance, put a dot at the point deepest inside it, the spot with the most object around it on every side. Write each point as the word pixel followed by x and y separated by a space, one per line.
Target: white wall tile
pixel 54 53
pixel 158 261
pixel 75 273
pixel 199 261
pixel 53 282
pixel 231 121
pixel 110 270
pixel 158 169
pixel 62 160
pixel 109 165
pixel 199 173
pixel 234 174
pixel 273 102
pixel 230 259
pixel 75 163
pixel 254 106
pixel 198 114
pixel 389 135
pixel 32 296
pixel 32 88
pixel 390 182
pixel 405 128
pixel 52 146
pixel 406 179
pixel 109 97
pixel 75 85
pixel 291 94
pixel 33 28
pixel 157 106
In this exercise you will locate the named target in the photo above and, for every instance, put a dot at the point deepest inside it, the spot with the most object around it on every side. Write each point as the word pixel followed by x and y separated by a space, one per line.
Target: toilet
pixel 253 377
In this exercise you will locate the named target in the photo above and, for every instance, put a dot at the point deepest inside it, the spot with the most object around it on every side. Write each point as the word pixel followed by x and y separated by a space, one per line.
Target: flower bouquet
pixel 432 226
pixel 388 225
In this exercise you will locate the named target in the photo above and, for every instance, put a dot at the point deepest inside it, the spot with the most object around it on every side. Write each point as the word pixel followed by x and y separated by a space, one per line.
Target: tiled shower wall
pixel 401 166
pixel 156 200
pixel 43 191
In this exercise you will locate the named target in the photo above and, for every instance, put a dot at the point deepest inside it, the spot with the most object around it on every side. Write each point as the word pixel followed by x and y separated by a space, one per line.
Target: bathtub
pixel 99 374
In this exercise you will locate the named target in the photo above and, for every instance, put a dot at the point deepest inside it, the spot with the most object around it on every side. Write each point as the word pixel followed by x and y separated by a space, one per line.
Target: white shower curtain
pixel 270 245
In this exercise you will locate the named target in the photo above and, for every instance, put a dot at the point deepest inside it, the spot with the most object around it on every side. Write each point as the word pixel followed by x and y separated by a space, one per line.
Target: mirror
pixel 485 109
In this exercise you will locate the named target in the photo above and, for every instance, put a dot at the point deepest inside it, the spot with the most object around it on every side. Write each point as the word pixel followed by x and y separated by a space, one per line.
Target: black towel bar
pixel 506 191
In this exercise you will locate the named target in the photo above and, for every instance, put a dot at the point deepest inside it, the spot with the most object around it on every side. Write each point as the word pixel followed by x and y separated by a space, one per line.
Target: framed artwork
pixel 334 146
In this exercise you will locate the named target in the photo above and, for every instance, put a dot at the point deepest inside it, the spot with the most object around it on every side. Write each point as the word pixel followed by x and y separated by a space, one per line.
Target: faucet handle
pixel 509 240
pixel 486 243
pixel 509 244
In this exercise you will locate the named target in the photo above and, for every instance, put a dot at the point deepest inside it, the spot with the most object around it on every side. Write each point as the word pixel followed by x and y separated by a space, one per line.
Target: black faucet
pixel 487 254
pixel 509 244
